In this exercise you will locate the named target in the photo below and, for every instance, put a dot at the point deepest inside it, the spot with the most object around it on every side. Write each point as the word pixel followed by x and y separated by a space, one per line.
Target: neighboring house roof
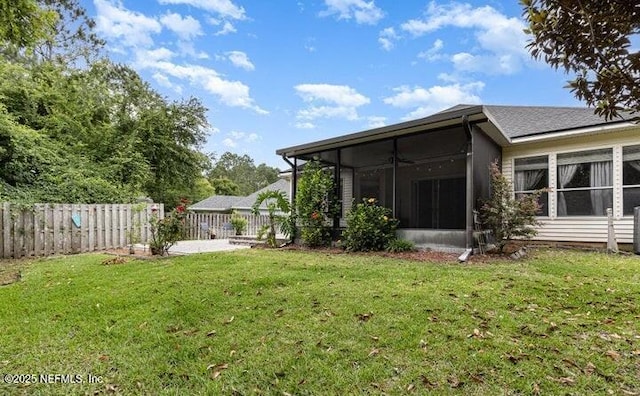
pixel 248 201
pixel 226 203
pixel 502 123
pixel 216 203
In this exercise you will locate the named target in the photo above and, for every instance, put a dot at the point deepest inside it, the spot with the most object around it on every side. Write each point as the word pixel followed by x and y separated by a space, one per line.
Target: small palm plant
pixel 277 203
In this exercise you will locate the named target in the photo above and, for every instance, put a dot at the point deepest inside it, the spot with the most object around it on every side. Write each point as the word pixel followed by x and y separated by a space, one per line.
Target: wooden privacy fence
pixel 202 225
pixel 47 229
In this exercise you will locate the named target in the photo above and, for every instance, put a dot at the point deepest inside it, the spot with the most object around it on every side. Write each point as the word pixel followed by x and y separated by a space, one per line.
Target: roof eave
pixel 435 121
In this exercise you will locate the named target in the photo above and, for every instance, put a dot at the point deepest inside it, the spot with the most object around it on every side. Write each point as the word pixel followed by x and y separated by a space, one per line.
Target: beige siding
pixel 583 229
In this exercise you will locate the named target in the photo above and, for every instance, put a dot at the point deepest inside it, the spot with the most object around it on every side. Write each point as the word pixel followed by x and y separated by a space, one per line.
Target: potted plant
pixel 239 223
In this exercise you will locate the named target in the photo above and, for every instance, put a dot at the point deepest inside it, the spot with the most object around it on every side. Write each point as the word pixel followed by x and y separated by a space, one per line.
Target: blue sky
pixel 279 73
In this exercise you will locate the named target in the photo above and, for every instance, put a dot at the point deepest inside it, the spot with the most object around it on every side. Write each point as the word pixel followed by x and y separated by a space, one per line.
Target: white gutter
pixel 580 131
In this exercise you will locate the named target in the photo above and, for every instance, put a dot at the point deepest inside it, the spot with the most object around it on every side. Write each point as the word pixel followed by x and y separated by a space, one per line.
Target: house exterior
pixel 216 204
pixel 240 204
pixel 434 172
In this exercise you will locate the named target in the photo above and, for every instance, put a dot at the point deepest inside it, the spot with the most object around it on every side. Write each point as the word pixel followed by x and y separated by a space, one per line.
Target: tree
pixel 23 23
pixel 73 37
pixel 506 216
pixel 224 186
pixel 590 39
pixel 315 204
pixel 242 171
pixel 278 208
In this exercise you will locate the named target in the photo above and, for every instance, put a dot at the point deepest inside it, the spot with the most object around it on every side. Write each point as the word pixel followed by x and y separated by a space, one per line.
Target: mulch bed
pixel 431 256
pixel 10 270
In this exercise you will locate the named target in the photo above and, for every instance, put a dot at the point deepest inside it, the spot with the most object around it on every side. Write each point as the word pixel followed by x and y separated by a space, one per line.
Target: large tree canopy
pixel 76 129
pixel 242 172
pixel 591 39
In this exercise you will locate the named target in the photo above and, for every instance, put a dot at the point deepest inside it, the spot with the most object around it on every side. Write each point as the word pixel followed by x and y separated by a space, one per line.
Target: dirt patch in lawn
pixel 11 270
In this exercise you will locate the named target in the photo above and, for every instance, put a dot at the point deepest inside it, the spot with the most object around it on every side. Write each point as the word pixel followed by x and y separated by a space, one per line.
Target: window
pixel 585 183
pixel 532 174
pixel 630 179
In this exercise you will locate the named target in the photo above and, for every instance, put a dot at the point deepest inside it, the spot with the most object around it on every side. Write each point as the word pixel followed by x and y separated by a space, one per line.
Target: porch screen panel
pixel 431 186
pixel 585 183
pixel 372 166
pixel 630 179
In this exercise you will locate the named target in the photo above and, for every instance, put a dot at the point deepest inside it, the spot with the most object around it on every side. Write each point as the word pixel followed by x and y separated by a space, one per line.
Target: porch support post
pixel 469 190
pixel 294 183
pixel 336 186
pixel 395 179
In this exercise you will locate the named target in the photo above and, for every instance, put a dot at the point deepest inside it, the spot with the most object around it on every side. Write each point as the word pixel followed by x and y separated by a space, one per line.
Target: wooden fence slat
pixel 49 241
pixel 4 216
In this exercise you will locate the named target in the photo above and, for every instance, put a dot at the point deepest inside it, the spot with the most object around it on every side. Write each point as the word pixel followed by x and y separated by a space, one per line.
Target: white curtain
pixel 601 176
pixel 565 174
pixel 528 179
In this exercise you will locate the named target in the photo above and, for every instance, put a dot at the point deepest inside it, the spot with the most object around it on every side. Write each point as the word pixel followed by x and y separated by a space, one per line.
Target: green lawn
pixel 291 322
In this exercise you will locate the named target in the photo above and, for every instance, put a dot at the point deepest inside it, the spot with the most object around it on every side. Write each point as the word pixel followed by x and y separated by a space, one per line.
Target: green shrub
pixel 400 245
pixel 316 204
pixel 370 227
pixel 239 223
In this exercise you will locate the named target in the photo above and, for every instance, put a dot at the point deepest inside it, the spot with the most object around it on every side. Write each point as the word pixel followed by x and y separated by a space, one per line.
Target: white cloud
pixel 228 142
pixel 231 93
pixel 186 28
pixel 225 8
pixel 158 54
pixel 490 64
pixel 360 10
pixel 386 37
pixel 376 121
pixel 314 112
pixel 240 59
pixel 304 125
pixel 427 101
pixel 131 28
pixel 164 81
pixel 497 36
pixel 433 53
pixel 342 95
pixel 236 137
pixel 227 27
pixel 336 101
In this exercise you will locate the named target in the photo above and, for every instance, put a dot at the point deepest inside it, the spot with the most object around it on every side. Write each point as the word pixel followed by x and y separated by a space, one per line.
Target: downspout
pixel 466 126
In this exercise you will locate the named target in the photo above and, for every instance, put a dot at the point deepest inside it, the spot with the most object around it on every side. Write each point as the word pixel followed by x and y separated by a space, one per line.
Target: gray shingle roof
pixel 521 121
pixel 511 121
pixel 216 202
pixel 248 201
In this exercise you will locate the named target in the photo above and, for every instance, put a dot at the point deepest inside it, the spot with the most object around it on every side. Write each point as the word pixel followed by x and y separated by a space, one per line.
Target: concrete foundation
pixel 451 241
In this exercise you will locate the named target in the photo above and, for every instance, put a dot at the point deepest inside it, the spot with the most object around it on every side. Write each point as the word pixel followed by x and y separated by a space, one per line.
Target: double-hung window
pixel 585 183
pixel 532 174
pixel 630 178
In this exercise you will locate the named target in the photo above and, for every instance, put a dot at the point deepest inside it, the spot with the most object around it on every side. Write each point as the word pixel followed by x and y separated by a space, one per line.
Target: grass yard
pixel 292 322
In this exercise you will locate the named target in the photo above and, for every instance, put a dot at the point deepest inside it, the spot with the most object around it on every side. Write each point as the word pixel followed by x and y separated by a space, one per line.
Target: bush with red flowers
pixel 169 230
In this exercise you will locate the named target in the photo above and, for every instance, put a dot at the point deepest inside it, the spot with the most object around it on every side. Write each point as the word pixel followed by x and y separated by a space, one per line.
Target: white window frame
pixel 559 190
